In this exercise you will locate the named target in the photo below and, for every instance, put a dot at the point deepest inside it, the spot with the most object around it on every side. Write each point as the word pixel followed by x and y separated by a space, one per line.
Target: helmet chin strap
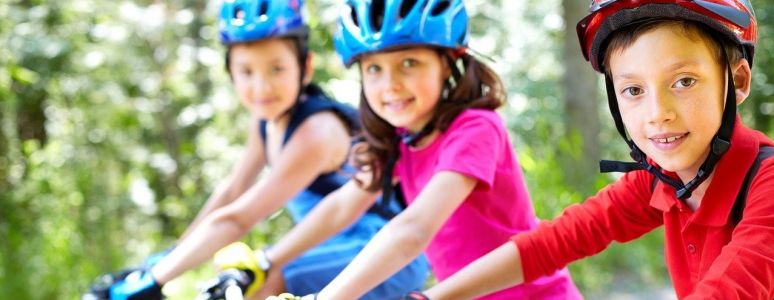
pixel 720 144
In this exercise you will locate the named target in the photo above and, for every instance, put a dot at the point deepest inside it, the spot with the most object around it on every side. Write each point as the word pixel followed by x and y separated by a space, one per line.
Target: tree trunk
pixel 31 120
pixel 581 98
pixel 5 161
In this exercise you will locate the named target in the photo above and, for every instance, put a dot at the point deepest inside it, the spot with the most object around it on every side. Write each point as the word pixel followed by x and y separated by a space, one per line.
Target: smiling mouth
pixel 398 104
pixel 670 139
pixel 262 101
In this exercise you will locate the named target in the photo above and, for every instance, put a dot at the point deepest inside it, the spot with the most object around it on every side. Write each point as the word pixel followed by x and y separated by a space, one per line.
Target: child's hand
pixel 137 285
pixel 415 296
pixel 289 296
pixel 239 256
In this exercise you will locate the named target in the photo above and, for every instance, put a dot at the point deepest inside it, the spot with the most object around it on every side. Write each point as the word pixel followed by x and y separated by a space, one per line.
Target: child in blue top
pixel 305 136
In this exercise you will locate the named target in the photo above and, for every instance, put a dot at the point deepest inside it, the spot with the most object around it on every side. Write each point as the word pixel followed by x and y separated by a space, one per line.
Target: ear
pixel 308 68
pixel 742 80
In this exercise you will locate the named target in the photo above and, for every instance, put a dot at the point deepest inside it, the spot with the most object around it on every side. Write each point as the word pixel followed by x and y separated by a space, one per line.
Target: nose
pixel 660 107
pixel 260 86
pixel 392 81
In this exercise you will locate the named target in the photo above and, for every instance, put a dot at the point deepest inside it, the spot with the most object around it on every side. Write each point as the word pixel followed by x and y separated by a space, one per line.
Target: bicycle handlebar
pixel 229 285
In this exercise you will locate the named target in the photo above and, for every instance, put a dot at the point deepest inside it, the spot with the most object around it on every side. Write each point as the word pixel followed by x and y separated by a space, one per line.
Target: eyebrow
pixel 670 68
pixel 247 61
pixel 682 64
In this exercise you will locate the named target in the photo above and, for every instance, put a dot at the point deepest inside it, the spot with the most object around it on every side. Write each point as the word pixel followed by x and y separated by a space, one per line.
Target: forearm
pixel 221 197
pixel 495 271
pixel 327 219
pixel 215 232
pixel 390 250
pixel 239 181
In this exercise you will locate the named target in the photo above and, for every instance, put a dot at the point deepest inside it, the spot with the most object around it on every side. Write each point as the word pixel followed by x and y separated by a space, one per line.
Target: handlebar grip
pixel 229 285
pixel 233 291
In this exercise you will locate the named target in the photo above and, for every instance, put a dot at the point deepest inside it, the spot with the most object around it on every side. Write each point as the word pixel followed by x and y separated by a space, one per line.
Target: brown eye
pixel 632 91
pixel 245 71
pixel 409 62
pixel 684 82
pixel 371 69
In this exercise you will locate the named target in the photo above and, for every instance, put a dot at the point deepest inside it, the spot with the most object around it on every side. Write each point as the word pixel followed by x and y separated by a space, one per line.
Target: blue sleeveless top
pixel 315 101
pixel 318 266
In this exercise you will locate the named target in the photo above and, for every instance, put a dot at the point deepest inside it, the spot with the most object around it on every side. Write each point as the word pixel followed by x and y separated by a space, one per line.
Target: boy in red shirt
pixel 675 71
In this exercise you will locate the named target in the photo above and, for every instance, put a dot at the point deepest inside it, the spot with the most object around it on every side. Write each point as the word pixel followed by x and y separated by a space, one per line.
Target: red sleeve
pixel 620 212
pixel 745 267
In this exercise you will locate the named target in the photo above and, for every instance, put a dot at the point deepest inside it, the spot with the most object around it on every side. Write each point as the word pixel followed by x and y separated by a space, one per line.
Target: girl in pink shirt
pixel 427 108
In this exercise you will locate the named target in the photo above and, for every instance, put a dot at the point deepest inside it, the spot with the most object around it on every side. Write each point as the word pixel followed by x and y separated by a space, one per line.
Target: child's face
pixel 266 76
pixel 403 87
pixel 671 92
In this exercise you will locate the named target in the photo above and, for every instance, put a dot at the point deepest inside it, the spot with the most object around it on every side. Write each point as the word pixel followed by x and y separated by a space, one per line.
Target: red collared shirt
pixel 707 257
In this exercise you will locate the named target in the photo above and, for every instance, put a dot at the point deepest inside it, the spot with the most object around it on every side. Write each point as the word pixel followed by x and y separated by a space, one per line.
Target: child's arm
pixel 335 212
pixel 241 178
pixel 620 212
pixel 403 238
pixel 303 158
pixel 495 271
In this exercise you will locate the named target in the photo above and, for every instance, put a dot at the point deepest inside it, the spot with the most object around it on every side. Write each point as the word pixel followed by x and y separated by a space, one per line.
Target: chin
pixel 273 112
pixel 673 164
pixel 259 113
pixel 666 162
pixel 670 167
pixel 396 123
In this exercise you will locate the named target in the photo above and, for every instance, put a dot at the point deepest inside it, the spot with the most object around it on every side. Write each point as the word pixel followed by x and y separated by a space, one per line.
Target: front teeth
pixel 669 139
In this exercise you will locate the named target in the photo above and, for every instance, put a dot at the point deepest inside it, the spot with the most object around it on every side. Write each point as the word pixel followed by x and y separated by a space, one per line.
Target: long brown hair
pixel 478 87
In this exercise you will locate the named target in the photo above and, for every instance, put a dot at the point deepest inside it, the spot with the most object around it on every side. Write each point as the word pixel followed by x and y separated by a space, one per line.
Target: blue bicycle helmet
pixel 375 25
pixel 252 20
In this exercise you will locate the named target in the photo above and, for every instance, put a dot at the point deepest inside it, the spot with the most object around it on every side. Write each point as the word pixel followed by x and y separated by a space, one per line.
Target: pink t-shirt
pixel 476 144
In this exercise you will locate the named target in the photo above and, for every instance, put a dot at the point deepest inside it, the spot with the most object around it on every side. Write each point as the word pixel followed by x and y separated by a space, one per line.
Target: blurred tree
pixel 581 104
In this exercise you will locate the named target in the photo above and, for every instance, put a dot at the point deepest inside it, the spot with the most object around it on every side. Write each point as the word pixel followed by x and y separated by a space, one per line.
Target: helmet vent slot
pixel 263 10
pixel 353 15
pixel 440 7
pixel 238 16
pixel 405 7
pixel 377 14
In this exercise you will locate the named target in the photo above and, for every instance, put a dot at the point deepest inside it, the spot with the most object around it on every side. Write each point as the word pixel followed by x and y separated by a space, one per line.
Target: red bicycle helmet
pixel 733 19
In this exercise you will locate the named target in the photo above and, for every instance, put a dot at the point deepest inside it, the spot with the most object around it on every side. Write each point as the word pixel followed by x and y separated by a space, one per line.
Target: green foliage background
pixel 117 120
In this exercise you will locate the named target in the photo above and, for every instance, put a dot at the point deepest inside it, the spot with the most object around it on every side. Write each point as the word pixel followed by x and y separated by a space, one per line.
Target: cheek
pixel 708 117
pixel 293 74
pixel 430 89
pixel 373 102
pixel 370 90
pixel 241 87
pixel 630 116
pixel 289 85
pixel 701 108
